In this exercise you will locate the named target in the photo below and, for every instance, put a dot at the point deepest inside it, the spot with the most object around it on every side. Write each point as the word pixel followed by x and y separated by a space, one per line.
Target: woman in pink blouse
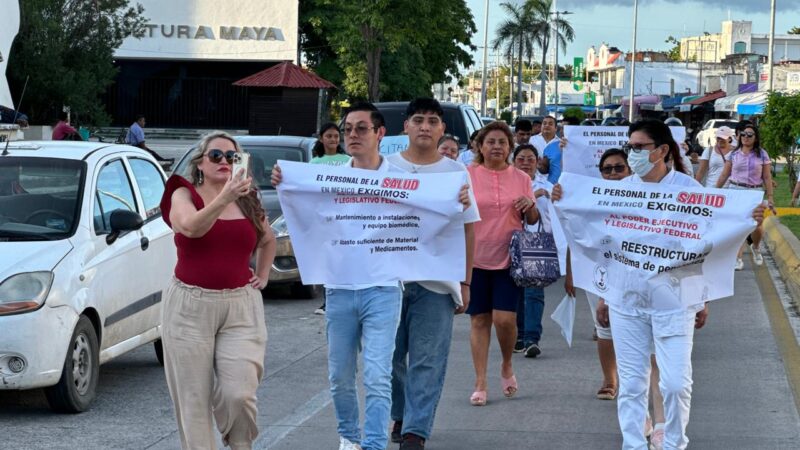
pixel 504 197
pixel 749 167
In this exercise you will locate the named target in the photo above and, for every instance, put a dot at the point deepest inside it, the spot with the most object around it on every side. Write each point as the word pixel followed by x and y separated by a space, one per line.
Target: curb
pixel 785 249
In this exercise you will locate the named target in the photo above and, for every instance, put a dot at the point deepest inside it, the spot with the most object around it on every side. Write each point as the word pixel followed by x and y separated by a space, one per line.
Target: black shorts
pixel 493 289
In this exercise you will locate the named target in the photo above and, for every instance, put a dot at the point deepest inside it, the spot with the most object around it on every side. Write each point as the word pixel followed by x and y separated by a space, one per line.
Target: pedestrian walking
pixel 467 156
pixel 522 132
pixel 530 307
pixel 448 146
pixel 638 329
pixel 423 337
pixel 749 167
pixel 504 198
pixel 713 159
pixel 214 333
pixel 550 155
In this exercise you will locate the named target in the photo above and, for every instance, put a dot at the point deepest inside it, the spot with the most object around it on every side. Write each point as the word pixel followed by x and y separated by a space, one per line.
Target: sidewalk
pixel 742 397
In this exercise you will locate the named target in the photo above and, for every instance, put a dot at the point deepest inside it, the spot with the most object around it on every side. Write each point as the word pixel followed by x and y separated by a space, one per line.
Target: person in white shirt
pixel 713 159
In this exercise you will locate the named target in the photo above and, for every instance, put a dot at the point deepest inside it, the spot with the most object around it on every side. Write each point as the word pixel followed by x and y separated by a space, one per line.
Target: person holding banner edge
pixel 423 337
pixel 637 330
pixel 504 197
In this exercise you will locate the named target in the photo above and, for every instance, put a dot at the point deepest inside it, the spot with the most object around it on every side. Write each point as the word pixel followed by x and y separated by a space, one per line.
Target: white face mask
pixel 640 162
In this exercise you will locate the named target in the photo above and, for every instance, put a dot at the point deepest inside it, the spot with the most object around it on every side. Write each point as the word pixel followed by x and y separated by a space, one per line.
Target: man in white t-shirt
pixel 426 321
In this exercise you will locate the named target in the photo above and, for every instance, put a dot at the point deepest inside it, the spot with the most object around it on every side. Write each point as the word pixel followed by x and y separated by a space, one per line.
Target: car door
pixel 157 243
pixel 114 270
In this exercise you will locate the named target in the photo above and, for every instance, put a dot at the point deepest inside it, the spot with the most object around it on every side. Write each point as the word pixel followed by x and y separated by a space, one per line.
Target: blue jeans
pixel 420 357
pixel 529 316
pixel 365 318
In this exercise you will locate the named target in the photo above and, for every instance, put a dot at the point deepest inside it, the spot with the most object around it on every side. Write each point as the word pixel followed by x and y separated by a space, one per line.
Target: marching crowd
pixel 214 333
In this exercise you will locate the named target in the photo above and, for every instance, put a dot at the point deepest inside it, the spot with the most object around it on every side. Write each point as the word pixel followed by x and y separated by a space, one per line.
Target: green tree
pixel 780 129
pixel 514 36
pixel 381 49
pixel 547 25
pixel 574 111
pixel 794 30
pixel 674 53
pixel 67 47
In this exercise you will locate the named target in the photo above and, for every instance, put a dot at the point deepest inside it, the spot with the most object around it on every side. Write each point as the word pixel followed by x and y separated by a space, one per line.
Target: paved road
pixel 742 399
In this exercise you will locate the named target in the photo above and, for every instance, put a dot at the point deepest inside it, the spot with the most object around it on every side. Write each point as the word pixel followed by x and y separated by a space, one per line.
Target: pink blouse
pixel 495 192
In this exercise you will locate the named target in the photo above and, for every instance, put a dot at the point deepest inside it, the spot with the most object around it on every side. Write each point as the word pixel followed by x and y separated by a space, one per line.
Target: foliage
pixel 674 53
pixel 780 129
pixel 506 116
pixel 794 30
pixel 382 49
pixel 66 47
pixel 575 112
pixel 545 27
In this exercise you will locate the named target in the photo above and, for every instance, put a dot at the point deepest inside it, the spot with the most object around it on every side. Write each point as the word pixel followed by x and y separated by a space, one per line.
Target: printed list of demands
pixel 375 191
pixel 694 204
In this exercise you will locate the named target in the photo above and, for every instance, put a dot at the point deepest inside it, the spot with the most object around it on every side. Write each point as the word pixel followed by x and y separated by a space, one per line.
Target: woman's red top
pixel 220 259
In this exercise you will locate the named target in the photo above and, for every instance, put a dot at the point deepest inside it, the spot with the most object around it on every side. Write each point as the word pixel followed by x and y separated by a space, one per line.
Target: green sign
pixel 577 69
pixel 589 99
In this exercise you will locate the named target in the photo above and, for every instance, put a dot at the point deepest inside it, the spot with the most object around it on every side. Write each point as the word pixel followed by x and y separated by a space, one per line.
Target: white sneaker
pixel 757 258
pixel 739 264
pixel 344 444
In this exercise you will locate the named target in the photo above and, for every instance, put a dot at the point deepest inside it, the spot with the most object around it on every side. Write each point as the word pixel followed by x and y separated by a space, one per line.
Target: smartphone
pixel 241 161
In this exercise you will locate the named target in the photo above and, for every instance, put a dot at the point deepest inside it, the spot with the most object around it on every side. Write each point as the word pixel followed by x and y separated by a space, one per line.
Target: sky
pixel 611 21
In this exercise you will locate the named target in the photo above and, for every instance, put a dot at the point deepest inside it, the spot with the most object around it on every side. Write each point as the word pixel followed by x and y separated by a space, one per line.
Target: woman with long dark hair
pixel 328 150
pixel 749 167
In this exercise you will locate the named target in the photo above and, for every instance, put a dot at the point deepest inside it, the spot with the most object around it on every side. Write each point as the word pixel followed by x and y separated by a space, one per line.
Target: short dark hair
pixel 523 125
pixel 63 116
pixel 536 120
pixel 522 147
pixel 549 117
pixel 613 152
pixel 139 117
pixel 375 114
pixel 424 105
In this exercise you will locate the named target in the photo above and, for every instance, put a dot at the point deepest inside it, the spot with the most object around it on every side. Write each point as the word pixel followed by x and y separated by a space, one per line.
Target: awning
pixel 707 98
pixel 731 102
pixel 670 103
pixel 753 104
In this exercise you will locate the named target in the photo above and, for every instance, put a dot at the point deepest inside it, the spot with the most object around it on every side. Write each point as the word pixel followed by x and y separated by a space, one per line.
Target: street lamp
pixel 485 48
pixel 633 61
pixel 771 43
pixel 555 72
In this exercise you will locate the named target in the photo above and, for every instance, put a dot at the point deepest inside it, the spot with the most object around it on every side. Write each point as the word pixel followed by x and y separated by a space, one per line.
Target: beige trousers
pixel 214 342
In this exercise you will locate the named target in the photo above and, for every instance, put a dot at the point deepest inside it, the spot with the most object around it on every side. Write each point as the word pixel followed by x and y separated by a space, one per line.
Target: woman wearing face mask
pixel 637 329
pixel 713 159
pixel 749 167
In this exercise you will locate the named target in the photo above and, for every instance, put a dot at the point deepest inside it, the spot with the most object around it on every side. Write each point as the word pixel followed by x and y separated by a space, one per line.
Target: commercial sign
pixel 577 73
pixel 253 30
pixel 793 80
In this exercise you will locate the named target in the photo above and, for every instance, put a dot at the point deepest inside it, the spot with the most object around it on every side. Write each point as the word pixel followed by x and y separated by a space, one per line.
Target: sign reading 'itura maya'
pixel 207 32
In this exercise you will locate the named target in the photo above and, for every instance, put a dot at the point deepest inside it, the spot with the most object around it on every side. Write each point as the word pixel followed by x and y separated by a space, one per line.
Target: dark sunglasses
pixel 619 168
pixel 747 134
pixel 216 155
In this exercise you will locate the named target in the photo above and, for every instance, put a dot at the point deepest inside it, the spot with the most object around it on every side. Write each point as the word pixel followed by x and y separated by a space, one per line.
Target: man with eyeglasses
pixel 361 316
pixel 423 338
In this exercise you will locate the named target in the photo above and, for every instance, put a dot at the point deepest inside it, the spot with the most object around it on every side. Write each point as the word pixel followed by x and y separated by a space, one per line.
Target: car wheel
pixel 76 389
pixel 159 347
pixel 300 290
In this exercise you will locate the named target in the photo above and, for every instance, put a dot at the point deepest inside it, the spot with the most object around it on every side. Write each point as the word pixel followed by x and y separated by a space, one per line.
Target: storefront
pixel 181 72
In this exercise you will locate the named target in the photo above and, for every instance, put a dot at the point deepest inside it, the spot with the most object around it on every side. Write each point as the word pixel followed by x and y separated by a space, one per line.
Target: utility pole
pixel 555 72
pixel 771 43
pixel 633 61
pixel 497 86
pixel 485 48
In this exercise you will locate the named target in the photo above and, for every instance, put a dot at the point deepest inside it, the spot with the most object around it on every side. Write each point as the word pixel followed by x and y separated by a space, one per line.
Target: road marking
pixel 784 334
pixel 294 420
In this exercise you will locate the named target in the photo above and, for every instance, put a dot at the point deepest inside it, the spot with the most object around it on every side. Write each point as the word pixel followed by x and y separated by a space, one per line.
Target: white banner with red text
pixel 354 226
pixel 653 246
pixel 586 144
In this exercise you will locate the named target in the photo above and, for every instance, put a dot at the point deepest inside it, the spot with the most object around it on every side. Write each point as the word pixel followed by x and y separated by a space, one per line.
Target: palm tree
pixel 546 27
pixel 514 35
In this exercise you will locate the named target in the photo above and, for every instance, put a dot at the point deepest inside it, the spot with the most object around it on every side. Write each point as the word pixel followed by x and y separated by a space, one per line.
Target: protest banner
pixel 586 144
pixel 354 226
pixel 653 246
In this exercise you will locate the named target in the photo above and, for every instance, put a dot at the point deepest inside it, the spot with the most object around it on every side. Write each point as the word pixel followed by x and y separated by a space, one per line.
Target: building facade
pixel 737 37
pixel 181 72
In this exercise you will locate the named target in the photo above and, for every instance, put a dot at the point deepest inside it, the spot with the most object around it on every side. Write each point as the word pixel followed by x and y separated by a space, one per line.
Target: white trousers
pixel 634 337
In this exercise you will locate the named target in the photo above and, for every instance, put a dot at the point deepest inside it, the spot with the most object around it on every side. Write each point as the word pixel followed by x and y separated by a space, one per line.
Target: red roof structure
pixel 285 74
pixel 708 97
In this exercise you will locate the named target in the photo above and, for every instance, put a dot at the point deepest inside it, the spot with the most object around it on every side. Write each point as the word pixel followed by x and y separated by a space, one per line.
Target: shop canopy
pixel 746 104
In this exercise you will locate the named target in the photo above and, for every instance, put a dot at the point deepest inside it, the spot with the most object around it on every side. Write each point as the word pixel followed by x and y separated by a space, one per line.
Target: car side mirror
pixel 122 220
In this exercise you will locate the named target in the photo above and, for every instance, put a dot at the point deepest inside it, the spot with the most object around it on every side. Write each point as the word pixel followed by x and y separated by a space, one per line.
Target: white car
pixel 84 258
pixel 706 137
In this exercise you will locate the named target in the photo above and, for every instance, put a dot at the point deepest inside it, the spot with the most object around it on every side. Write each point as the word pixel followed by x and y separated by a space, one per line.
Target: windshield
pixel 39 197
pixel 262 159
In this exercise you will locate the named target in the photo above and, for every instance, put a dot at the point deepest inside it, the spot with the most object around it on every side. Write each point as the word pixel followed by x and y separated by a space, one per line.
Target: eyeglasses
pixel 450 136
pixel 636 148
pixel 747 134
pixel 361 129
pixel 619 168
pixel 216 155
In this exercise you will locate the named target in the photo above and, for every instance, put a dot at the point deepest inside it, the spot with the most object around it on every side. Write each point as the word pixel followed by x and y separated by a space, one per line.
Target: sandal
pixel 509 386
pixel 478 398
pixel 607 392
